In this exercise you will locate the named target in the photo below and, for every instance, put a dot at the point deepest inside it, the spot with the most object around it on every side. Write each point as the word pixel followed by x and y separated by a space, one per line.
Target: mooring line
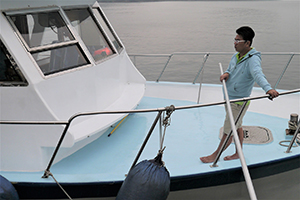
pixel 50 174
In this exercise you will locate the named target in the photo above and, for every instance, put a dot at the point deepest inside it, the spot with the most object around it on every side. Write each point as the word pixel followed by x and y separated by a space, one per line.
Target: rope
pixel 292 130
pixel 50 174
pixel 166 123
pixel 293 125
pixel 285 145
pixel 162 141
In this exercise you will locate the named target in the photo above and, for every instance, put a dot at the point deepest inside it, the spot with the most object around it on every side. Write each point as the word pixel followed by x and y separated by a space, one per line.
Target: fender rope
pixel 166 123
pixel 50 174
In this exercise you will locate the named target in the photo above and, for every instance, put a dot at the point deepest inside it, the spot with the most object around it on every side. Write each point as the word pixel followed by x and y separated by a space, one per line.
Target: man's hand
pixel 224 77
pixel 273 93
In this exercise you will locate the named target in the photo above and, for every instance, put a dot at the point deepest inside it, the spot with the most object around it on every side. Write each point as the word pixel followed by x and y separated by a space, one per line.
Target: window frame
pixel 14 66
pixel 47 47
pixel 109 26
pixel 98 25
pixel 75 41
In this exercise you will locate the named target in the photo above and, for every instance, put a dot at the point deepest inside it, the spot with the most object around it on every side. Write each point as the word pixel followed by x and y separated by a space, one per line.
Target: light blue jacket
pixel 242 75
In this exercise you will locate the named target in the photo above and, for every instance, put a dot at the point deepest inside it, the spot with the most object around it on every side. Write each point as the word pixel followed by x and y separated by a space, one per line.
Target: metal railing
pixel 172 55
pixel 67 124
pixel 206 56
pixel 159 110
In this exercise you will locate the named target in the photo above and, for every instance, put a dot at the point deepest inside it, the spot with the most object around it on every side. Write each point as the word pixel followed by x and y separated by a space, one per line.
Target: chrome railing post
pixel 229 135
pixel 158 116
pixel 201 71
pixel 283 72
pixel 203 63
pixel 170 56
pixel 47 171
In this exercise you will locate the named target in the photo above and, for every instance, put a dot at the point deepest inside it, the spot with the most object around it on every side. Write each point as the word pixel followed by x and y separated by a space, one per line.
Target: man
pixel 244 69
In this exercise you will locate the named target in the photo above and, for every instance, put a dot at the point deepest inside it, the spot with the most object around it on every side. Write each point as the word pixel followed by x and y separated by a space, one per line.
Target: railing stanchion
pixel 229 135
pixel 46 173
pixel 294 138
pixel 158 116
pixel 202 66
pixel 201 71
pixel 283 72
pixel 164 68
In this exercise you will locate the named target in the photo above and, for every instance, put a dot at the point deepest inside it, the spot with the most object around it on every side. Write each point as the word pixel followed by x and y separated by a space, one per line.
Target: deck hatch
pixel 255 135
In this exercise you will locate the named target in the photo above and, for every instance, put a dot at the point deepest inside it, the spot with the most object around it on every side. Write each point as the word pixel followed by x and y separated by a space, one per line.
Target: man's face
pixel 239 43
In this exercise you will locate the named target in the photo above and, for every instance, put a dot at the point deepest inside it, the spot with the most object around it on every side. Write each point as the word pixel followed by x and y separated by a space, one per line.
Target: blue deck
pixel 192 133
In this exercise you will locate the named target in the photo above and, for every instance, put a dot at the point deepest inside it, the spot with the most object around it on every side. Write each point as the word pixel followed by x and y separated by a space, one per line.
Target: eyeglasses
pixel 238 41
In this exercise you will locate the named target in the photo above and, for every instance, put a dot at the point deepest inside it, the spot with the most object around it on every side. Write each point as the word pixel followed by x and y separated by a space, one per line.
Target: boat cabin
pixel 58 60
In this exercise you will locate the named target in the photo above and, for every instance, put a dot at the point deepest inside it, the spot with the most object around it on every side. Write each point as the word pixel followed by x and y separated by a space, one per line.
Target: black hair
pixel 246 32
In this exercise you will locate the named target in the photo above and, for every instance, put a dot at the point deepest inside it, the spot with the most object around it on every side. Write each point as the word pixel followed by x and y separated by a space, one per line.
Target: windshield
pixel 89 32
pixel 60 40
pixel 39 29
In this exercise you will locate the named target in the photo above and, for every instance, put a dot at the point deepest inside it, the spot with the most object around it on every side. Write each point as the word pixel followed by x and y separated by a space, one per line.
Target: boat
pixel 77 115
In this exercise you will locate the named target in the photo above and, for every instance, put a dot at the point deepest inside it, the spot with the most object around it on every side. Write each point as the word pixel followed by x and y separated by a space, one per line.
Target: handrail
pixel 143 110
pixel 35 122
pixel 68 123
pixel 200 72
pixel 170 56
pixel 202 67
pixel 174 54
pixel 134 55
pixel 284 70
pixel 158 116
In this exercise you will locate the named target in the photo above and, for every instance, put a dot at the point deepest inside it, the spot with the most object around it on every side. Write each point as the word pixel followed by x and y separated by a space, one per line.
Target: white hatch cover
pixel 254 135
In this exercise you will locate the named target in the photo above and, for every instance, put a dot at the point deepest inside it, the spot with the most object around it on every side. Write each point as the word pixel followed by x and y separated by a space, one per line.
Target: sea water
pixel 164 27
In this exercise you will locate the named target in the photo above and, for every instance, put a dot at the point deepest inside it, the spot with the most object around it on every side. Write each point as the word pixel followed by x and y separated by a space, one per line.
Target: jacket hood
pixel 253 52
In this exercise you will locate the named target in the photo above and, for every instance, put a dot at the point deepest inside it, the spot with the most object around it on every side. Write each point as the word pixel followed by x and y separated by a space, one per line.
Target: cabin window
pixel 49 40
pixel 59 59
pixel 88 30
pixel 10 74
pixel 104 23
pixel 62 39
pixel 40 29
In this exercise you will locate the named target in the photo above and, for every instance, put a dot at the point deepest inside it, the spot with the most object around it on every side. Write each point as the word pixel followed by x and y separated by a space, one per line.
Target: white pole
pixel 238 144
